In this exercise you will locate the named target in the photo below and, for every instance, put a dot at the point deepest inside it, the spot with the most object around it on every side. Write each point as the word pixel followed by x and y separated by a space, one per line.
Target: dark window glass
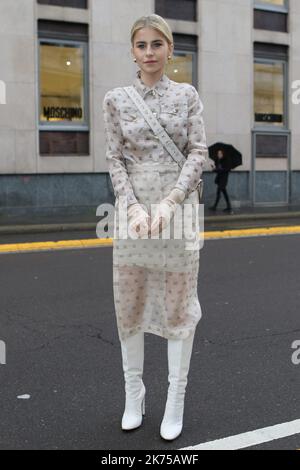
pixel 65 3
pixel 64 143
pixel 271 146
pixel 63 30
pixel 270 51
pixel 177 9
pixel 270 20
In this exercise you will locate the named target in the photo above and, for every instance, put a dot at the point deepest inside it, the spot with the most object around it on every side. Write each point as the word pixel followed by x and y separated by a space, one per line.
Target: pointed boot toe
pixel 134 412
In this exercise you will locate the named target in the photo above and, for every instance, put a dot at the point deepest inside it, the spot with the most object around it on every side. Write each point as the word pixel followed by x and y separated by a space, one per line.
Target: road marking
pixel 252 438
pixel 96 242
pixel 253 232
pixel 58 245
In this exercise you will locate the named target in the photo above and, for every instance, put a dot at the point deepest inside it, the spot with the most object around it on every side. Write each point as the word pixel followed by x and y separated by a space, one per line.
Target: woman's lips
pixel 151 62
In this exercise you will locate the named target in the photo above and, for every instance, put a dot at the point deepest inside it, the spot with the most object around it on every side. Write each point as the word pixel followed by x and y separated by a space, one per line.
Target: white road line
pixel 252 438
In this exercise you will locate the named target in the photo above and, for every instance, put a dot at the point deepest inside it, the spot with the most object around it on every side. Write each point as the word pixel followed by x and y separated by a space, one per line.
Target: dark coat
pixel 222 175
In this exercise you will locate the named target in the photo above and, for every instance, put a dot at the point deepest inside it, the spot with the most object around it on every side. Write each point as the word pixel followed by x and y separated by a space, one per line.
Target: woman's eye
pixel 155 45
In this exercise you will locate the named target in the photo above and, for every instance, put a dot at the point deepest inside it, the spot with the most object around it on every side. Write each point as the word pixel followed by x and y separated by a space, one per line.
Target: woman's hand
pixel 138 221
pixel 166 210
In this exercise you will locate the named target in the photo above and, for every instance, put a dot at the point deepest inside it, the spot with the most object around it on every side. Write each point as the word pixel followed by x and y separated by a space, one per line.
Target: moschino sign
pixel 62 113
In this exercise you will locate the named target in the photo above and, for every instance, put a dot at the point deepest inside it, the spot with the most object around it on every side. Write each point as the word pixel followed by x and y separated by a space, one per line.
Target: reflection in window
pixel 280 3
pixel 269 93
pixel 180 68
pixel 272 5
pixel 62 98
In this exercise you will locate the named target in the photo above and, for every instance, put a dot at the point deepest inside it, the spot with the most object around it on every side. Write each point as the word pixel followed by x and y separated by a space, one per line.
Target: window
pixel 62 84
pixel 63 88
pixel 177 9
pixel 65 3
pixel 269 92
pixel 271 15
pixel 274 5
pixel 270 65
pixel 183 66
pixel 271 146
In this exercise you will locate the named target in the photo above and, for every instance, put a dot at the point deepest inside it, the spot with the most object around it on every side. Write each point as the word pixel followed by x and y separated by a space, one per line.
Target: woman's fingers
pixel 143 227
pixel 155 226
pixel 158 224
pixel 140 226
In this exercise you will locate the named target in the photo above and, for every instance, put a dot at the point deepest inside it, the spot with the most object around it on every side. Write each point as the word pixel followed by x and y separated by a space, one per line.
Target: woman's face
pixel 220 154
pixel 150 45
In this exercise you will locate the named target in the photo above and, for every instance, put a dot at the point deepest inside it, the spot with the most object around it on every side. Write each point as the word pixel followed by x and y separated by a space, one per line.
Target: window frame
pixel 258 5
pixel 272 127
pixel 183 52
pixel 65 126
pixel 63 6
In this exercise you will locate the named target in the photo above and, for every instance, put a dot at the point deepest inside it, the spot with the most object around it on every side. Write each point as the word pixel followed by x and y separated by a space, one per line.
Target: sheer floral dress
pixel 155 280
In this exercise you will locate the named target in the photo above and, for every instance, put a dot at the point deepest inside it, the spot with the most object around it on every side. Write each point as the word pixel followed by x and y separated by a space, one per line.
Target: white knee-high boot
pixel 179 356
pixel 133 365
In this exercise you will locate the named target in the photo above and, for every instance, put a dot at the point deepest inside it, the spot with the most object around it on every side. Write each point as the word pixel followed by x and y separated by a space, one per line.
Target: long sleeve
pixel 196 147
pixel 114 144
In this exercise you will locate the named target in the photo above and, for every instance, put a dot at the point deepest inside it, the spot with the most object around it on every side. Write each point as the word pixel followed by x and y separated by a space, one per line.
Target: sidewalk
pixel 87 220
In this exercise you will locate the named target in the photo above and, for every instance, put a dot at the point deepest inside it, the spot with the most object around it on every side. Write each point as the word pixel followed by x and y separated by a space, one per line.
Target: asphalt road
pixel 62 349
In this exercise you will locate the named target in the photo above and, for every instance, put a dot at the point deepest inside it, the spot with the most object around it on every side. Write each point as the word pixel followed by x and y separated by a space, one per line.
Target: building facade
pixel 59 57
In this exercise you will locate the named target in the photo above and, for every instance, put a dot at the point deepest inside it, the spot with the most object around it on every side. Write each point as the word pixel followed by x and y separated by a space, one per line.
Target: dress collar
pixel 160 86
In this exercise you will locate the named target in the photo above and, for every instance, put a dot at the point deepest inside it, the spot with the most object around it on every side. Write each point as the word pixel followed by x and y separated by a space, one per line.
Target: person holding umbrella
pixel 226 157
pixel 221 181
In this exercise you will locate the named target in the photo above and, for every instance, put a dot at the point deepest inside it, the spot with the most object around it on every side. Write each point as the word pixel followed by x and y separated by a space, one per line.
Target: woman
pixel 155 280
pixel 221 181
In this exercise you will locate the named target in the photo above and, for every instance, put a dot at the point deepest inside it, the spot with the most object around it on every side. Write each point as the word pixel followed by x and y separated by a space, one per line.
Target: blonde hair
pixel 152 21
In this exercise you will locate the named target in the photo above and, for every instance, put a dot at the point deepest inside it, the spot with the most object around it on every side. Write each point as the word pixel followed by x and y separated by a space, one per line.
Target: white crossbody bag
pixel 160 132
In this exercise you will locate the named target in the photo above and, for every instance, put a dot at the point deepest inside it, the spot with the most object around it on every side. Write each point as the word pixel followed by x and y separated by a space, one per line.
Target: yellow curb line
pixel 94 242
pixel 38 246
pixel 253 232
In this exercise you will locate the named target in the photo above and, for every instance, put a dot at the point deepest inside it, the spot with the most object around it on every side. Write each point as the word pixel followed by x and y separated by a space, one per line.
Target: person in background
pixel 221 181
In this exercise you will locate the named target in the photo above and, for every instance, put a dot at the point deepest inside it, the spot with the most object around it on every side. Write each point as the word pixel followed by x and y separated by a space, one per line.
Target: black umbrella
pixel 232 157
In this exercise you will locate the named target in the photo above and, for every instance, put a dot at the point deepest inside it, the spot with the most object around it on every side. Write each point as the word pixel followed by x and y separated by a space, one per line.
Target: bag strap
pixel 158 130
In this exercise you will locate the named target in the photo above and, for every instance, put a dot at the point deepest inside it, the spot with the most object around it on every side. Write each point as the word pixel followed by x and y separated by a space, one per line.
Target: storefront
pixel 61 57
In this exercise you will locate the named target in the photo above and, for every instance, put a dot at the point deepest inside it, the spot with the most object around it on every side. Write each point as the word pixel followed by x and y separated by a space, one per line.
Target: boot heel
pixel 143 406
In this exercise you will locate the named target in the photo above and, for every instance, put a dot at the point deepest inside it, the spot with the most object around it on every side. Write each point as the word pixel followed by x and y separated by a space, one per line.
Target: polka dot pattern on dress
pixel 154 281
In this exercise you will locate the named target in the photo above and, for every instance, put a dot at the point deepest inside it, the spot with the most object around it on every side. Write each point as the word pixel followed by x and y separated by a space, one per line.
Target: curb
pixel 108 242
pixel 68 227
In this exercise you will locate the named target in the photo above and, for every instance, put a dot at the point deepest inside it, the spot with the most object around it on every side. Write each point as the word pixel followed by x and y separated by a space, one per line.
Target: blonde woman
pixel 154 279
